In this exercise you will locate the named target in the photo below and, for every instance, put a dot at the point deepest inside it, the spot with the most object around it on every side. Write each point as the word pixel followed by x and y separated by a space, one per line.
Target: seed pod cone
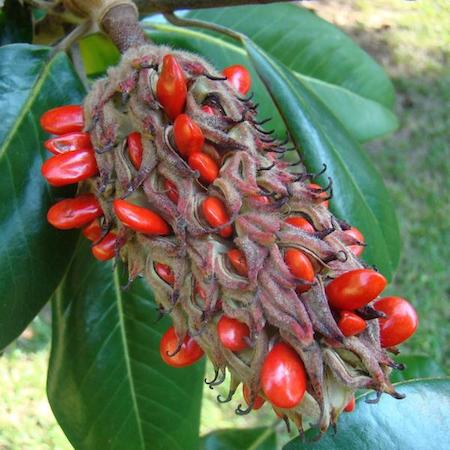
pixel 250 166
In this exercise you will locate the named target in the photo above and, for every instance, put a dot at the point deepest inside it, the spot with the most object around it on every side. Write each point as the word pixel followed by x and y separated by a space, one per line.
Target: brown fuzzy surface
pixel 251 164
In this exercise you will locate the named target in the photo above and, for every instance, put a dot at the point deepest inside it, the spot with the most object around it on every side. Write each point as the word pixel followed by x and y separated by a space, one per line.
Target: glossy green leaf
pixel 107 384
pixel 416 366
pixel 307 44
pixel 360 196
pixel 420 421
pixel 237 439
pixel 365 119
pixel 33 255
pixel 98 53
pixel 15 23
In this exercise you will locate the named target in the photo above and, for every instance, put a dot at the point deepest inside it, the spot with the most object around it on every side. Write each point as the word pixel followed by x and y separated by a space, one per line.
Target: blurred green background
pixel 411 40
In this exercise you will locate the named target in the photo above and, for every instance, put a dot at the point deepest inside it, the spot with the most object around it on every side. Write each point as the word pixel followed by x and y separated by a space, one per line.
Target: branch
pixel 121 24
pixel 167 6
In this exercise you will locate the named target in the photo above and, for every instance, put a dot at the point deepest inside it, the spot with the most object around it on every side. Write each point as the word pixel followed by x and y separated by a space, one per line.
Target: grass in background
pixel 411 40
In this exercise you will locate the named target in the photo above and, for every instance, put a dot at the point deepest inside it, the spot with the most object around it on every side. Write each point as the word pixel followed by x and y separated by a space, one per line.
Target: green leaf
pixel 307 44
pixel 360 196
pixel 98 53
pixel 417 422
pixel 33 255
pixel 365 119
pixel 416 366
pixel 237 439
pixel 15 23
pixel 107 384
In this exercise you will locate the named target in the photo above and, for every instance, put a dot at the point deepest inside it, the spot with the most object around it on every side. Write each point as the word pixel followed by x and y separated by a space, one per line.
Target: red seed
pixel 232 333
pixel 199 291
pixel 69 168
pixel 93 231
pixel 258 402
pixel 283 376
pixel 208 109
pixel 68 142
pixel 140 219
pixel 106 248
pixel 62 120
pixel 205 165
pixel 300 222
pixel 171 89
pixel 350 405
pixel 165 273
pixel 355 234
pixel 299 264
pixel 238 261
pixel 216 215
pixel 189 353
pixel 171 190
pixel 135 149
pixel 239 77
pixel 74 212
pixel 188 136
pixel 261 199
pixel 351 324
pixel 315 187
pixel 355 288
pixel 400 323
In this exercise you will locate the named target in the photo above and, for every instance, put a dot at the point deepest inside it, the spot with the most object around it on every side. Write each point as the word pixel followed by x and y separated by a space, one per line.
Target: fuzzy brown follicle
pixel 267 300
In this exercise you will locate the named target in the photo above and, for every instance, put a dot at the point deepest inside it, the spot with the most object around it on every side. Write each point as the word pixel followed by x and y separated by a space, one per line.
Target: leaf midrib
pixel 121 314
pixel 34 92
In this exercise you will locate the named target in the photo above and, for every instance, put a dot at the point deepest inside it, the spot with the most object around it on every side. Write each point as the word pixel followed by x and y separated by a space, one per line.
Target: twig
pixel 78 64
pixel 166 6
pixel 73 36
pixel 182 22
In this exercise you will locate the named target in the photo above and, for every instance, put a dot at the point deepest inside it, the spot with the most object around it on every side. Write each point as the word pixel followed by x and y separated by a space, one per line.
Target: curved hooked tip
pixel 262 131
pixel 126 286
pixel 397 395
pixel 262 122
pixel 321 172
pixel 336 256
pixel 216 375
pixel 242 412
pixel 368 313
pixel 266 168
pixel 373 401
pixel 214 77
pixel 325 232
pixel 217 381
pixel 329 188
pixel 177 349
pixel 246 99
pixel 228 398
pixel 397 366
